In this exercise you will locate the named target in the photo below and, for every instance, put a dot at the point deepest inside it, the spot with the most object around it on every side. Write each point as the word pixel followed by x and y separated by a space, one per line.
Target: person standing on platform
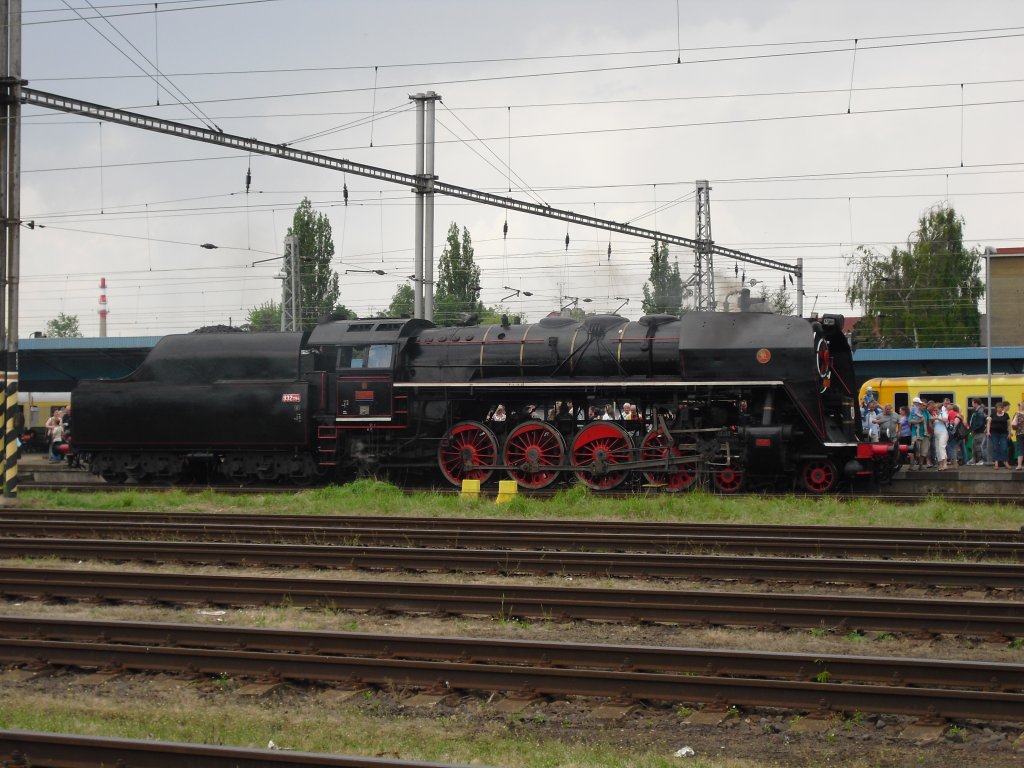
pixel 980 451
pixel 940 437
pixel 920 442
pixel 998 430
pixel 956 426
pixel 1018 428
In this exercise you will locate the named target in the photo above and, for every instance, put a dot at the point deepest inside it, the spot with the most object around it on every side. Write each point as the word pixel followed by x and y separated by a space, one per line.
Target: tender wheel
pixel 596 449
pixel 533 449
pixel 467 452
pixel 819 476
pixel 728 479
pixel 681 477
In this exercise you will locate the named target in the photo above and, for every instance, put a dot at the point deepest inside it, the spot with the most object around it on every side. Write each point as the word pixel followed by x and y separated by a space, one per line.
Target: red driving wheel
pixel 534 449
pixel 467 452
pixel 596 449
pixel 680 477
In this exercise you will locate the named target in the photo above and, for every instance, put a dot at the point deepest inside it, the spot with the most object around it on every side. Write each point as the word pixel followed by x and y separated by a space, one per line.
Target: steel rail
pixel 634 658
pixel 657 528
pixel 448 676
pixel 60 750
pixel 623 564
pixel 562 538
pixel 1003 619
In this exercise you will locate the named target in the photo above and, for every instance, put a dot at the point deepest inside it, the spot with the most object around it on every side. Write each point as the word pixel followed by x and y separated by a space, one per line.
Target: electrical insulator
pixel 567 241
pixel 248 179
pixel 609 251
pixel 344 193
pixel 736 269
pixel 504 230
pixel 790 279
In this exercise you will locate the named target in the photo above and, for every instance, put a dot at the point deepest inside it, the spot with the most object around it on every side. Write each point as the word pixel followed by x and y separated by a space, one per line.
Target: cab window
pixel 365 356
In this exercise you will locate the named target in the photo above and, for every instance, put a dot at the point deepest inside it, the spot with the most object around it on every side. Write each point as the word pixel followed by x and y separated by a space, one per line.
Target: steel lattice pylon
pixel 291 287
pixel 703 264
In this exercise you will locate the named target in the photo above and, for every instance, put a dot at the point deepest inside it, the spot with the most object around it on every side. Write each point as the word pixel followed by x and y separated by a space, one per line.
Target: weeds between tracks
pixel 371 497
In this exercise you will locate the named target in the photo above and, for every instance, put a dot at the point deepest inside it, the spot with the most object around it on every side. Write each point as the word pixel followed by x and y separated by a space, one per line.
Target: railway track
pixel 917 687
pixel 559 536
pixel 990 618
pixel 56 750
pixel 658 528
pixel 812 570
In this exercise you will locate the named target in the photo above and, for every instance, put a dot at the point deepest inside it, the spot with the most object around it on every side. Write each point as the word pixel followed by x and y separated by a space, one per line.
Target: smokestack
pixel 103 307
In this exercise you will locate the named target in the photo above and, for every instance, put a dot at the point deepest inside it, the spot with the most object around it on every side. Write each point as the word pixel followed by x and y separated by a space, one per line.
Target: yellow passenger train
pixel 959 388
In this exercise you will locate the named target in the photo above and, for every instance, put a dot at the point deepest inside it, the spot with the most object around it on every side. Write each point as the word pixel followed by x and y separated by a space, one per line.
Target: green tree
pixel 320 289
pixel 779 301
pixel 63 327
pixel 457 289
pixel 403 302
pixel 664 294
pixel 265 317
pixel 924 295
pixel 341 312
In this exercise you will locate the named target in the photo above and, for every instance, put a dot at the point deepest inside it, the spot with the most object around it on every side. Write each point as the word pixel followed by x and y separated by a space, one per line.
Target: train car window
pixel 901 399
pixel 938 397
pixel 985 400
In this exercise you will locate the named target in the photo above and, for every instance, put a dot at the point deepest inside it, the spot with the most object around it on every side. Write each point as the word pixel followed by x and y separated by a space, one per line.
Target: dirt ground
pixel 743 737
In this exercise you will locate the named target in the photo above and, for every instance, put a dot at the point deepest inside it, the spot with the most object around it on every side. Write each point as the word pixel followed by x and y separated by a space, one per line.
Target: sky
pixel 822 127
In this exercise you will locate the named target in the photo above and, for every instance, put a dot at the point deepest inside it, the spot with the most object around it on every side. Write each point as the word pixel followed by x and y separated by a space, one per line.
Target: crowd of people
pixel 945 436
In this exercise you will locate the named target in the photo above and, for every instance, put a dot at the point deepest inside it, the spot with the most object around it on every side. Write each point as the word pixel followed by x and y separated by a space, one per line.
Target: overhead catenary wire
pixel 190 105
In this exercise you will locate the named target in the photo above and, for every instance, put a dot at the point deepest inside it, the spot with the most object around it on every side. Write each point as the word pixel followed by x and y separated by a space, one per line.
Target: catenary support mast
pixel 10 60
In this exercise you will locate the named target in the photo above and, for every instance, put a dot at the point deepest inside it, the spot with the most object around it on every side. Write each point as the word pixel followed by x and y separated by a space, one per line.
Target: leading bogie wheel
pixel 728 479
pixel 596 449
pixel 534 450
pixel 818 475
pixel 467 452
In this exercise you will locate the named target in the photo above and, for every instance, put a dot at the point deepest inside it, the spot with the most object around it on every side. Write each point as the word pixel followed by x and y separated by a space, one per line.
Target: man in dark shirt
pixel 979 440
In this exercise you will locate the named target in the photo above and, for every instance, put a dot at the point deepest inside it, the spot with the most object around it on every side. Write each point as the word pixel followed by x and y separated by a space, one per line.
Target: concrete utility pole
pixel 10 169
pixel 291 287
pixel 423 274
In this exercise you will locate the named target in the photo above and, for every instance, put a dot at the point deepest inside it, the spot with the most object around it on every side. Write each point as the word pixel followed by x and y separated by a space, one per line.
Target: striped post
pixel 11 436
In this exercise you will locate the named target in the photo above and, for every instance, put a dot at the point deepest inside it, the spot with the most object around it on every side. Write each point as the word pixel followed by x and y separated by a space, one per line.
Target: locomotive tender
pixel 358 397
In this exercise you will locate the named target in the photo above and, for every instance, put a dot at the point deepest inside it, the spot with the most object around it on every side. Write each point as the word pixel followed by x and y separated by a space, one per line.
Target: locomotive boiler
pixel 727 400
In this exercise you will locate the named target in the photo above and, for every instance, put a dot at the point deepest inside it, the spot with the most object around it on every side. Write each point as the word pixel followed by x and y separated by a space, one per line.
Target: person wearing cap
pixel 869 395
pixel 920 442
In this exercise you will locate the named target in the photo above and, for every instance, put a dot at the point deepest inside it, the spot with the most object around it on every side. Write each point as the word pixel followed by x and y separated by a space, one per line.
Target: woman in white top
pixel 940 436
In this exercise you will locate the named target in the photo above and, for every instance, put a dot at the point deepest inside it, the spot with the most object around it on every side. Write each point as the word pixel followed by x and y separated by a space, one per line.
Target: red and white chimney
pixel 103 308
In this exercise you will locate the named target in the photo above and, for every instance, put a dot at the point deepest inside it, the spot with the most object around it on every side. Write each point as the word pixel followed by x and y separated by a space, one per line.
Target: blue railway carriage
pixel 727 400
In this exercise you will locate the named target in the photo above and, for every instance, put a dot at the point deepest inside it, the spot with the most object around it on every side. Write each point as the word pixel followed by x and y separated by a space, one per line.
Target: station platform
pixel 36 468
pixel 983 481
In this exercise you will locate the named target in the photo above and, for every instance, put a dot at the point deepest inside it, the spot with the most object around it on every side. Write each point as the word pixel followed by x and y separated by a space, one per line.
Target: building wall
pixel 1007 297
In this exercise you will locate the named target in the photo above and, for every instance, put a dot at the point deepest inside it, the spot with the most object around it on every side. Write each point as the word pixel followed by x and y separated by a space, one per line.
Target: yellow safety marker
pixel 507 490
pixel 470 489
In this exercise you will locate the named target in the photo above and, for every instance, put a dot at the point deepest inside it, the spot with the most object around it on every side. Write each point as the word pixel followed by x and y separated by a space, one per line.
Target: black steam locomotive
pixel 727 400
